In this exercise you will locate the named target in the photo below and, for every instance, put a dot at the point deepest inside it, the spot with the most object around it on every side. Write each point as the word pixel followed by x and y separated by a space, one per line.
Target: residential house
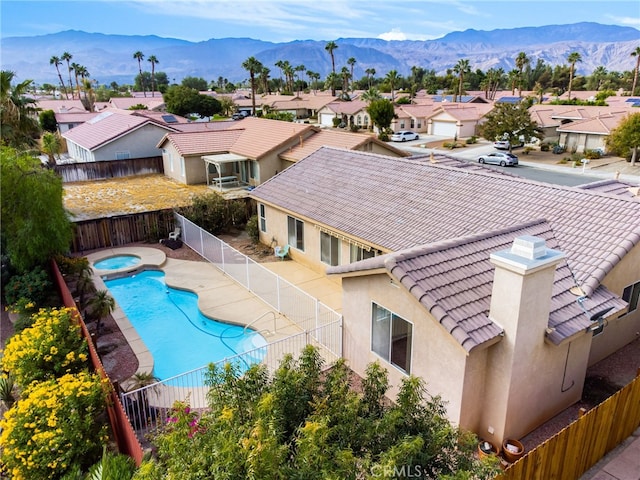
pixel 457 120
pixel 67 121
pixel 244 153
pixel 152 103
pixel 113 135
pixel 250 151
pixel 591 133
pixel 349 113
pixel 497 291
pixel 412 117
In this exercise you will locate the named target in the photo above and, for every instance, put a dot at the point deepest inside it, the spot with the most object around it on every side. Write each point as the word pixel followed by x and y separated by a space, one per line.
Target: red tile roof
pixel 202 143
pixel 402 203
pixel 453 280
pixel 106 127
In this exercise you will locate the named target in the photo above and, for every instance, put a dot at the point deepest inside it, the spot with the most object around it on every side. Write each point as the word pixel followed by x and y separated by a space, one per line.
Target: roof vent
pixel 529 247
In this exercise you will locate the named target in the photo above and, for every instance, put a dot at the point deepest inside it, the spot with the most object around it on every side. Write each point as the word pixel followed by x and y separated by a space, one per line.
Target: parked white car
pixel 404 135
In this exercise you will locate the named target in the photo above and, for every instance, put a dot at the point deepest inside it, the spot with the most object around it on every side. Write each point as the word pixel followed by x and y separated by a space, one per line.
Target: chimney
pixel 520 304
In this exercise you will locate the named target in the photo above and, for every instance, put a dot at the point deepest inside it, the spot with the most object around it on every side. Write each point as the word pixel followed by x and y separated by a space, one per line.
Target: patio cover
pixel 219 160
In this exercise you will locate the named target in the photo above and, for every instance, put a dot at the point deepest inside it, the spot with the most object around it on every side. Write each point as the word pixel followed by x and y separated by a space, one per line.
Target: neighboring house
pixel 62 106
pixel 412 117
pixel 244 158
pixel 457 120
pixel 338 139
pixel 67 121
pixel 115 135
pixel 152 103
pixel 349 113
pixel 589 134
pixel 491 288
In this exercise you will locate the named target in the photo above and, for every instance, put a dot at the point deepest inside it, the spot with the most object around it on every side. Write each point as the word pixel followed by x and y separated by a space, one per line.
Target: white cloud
pixel 628 21
pixel 394 34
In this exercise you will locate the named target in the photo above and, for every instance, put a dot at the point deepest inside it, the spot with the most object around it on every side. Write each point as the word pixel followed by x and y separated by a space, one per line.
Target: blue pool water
pixel 119 261
pixel 178 335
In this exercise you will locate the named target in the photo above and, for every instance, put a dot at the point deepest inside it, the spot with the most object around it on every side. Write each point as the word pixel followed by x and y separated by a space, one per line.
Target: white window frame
pixel 295 233
pixel 357 253
pixel 262 217
pixel 383 347
pixel 331 257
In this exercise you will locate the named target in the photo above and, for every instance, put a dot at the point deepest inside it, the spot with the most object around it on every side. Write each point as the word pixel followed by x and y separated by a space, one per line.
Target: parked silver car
pixel 500 158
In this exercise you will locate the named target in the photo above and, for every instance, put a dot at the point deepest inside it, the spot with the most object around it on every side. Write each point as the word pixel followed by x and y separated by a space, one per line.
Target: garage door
pixel 326 119
pixel 445 129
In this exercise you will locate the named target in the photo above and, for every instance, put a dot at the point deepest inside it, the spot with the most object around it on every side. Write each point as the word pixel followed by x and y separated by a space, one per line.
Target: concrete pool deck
pixel 219 296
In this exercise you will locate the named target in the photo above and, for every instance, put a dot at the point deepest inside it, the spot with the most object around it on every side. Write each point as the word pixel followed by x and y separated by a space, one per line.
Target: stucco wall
pixel 436 356
pixel 140 143
pixel 619 331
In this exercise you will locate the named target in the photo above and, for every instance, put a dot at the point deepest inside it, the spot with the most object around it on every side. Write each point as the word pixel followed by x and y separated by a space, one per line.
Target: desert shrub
pixel 592 154
pixel 545 147
pixel 527 150
pixel 336 121
pixel 53 427
pixel 471 140
pixel 215 214
pixel 51 347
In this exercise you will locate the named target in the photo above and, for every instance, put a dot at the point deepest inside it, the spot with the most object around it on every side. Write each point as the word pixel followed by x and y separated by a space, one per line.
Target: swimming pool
pixel 178 335
pixel 116 262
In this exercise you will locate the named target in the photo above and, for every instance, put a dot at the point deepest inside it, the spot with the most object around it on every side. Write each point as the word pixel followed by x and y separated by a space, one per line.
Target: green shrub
pixel 34 286
pixel 592 154
pixel 7 386
pixel 215 214
pixel 53 427
pixel 545 147
pixel 471 140
pixel 252 229
pixel 336 121
pixel 51 347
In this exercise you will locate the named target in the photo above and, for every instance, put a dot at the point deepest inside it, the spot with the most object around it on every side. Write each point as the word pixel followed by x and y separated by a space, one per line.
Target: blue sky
pixel 286 20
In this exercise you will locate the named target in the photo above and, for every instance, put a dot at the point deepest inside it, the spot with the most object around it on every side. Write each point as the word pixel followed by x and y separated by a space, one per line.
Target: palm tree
pixel 299 68
pixel 351 62
pixel 253 66
pixel 76 72
pixel 371 95
pixel 313 79
pixel 264 79
pixel 66 56
pixel 140 56
pixel 101 305
pixel 19 126
pixel 344 73
pixel 288 70
pixel 573 58
pixel 153 60
pixel 461 68
pixel 392 78
pixel 521 61
pixel 635 53
pixel 513 80
pixel 333 79
pixel 330 47
pixel 56 61
pixel 370 73
pixel 50 144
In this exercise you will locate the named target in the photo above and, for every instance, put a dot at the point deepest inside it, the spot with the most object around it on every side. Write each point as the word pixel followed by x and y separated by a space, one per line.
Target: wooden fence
pixel 121 230
pixel 88 171
pixel 579 446
pixel 123 432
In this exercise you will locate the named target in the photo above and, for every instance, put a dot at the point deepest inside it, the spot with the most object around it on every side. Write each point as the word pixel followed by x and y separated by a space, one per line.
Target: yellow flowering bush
pixel 50 348
pixel 53 427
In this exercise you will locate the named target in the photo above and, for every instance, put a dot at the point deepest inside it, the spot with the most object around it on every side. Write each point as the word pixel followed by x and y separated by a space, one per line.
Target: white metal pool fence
pixel 321 326
pixel 298 306
pixel 149 407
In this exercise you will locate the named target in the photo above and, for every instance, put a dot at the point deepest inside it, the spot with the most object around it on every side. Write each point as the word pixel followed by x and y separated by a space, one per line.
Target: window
pixel 630 295
pixel 263 217
pixel 402 124
pixel 419 123
pixel 254 169
pixel 412 123
pixel 329 249
pixel 391 337
pixel 296 233
pixel 359 253
pixel 366 120
pixel 122 155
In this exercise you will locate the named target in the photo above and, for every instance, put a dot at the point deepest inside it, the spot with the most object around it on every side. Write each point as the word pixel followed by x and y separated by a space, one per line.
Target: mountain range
pixel 110 57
